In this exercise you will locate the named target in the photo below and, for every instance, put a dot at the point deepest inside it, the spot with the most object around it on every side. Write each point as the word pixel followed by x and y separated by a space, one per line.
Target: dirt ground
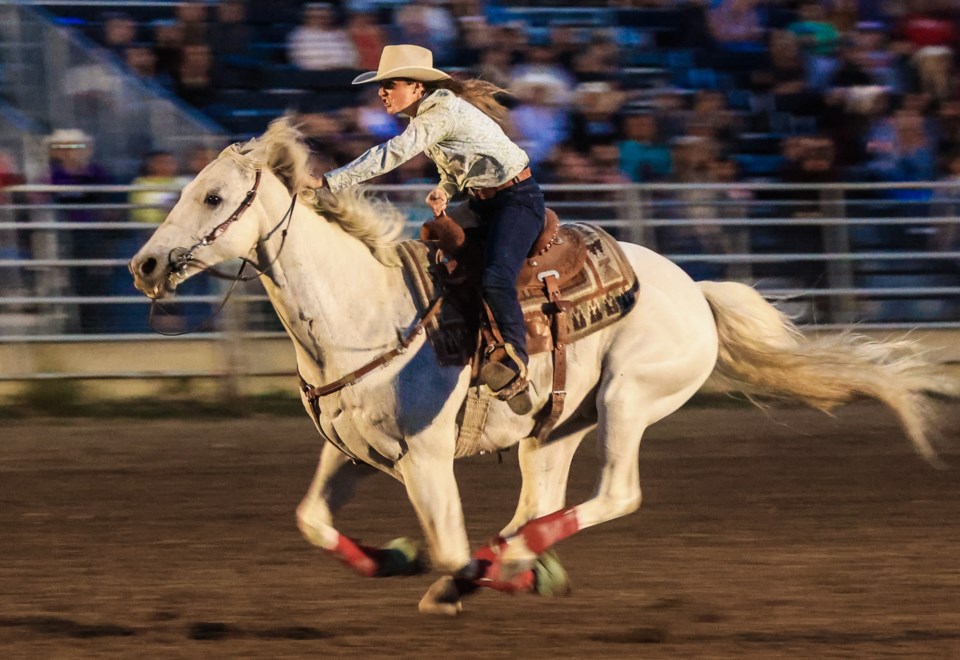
pixel 788 535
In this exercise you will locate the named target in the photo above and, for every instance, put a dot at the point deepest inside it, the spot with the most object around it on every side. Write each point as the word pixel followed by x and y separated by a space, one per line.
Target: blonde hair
pixel 478 93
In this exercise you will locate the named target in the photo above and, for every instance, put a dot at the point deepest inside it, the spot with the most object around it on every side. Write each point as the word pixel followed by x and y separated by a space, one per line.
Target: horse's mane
pixel 377 223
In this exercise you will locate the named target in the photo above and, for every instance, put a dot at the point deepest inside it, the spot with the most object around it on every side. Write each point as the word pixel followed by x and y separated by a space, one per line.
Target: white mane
pixel 377 223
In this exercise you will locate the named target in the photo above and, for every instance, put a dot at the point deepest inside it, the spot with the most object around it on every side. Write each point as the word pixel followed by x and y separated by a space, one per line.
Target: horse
pixel 329 265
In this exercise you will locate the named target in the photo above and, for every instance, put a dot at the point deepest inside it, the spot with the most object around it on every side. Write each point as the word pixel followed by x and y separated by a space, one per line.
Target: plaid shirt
pixel 469 148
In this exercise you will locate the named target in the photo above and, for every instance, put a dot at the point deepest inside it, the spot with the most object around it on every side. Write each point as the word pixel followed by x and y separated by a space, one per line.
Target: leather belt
pixel 487 193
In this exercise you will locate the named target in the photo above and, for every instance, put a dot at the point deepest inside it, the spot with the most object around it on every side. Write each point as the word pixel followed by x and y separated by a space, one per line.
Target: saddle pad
pixel 601 293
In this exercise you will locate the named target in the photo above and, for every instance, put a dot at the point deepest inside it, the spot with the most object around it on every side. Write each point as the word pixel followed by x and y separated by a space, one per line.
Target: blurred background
pixel 810 148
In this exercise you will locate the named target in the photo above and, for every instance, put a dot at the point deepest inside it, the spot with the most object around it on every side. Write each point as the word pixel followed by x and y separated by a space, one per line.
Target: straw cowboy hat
pixel 404 61
pixel 67 138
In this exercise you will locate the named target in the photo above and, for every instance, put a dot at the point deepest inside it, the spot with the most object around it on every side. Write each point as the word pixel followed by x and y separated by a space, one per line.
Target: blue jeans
pixel 511 220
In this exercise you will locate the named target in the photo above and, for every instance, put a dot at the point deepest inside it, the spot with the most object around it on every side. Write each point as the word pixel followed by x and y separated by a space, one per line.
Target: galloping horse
pixel 329 265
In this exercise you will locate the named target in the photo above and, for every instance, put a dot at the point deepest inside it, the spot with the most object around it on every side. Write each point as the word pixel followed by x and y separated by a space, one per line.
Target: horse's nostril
pixel 148 266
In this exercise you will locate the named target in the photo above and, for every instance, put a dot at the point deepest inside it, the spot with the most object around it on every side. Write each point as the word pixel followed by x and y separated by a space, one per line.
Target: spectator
pixel 694 159
pixel 540 68
pixel 160 170
pixel 368 39
pixel 319 44
pixel 168 39
pixel 119 32
pixel 565 45
pixel 711 118
pixel 10 242
pixel 429 24
pixel 819 40
pixel 644 156
pixel 494 67
pixel 902 149
pixel 195 83
pixel 808 160
pixel 192 17
pixel 785 74
pixel 541 119
pixel 735 25
pixel 599 61
pixel 596 114
pixel 947 237
pixel 198 156
pixel 605 164
pixel 70 153
pixel 231 34
pixel 141 60
pixel 476 36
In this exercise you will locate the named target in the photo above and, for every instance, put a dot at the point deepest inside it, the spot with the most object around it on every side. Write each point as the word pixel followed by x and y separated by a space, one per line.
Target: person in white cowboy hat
pixel 457 125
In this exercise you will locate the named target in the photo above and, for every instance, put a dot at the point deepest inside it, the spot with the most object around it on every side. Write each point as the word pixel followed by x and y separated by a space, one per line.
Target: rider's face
pixel 398 94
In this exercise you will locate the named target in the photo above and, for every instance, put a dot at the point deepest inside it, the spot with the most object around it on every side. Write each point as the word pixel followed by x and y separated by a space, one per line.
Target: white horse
pixel 331 271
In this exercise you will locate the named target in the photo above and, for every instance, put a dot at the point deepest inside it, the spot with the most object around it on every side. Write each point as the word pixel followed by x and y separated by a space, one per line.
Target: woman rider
pixel 457 125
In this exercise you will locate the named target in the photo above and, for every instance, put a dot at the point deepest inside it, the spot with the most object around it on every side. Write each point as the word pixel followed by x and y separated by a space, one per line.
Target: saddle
pixel 558 250
pixel 575 281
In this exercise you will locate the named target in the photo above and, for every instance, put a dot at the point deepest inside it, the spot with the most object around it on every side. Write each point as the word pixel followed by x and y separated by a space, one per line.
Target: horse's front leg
pixel 432 488
pixel 333 485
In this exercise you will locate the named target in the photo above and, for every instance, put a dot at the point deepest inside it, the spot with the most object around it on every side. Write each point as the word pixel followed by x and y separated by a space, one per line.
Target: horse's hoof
pixel 442 597
pixel 401 556
pixel 549 576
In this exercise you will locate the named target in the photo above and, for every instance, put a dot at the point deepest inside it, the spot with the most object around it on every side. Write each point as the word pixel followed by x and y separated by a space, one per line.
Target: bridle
pixel 179 262
pixel 179 258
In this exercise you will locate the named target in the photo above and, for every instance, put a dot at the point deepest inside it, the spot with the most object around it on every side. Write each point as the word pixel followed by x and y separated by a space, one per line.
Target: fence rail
pixel 878 256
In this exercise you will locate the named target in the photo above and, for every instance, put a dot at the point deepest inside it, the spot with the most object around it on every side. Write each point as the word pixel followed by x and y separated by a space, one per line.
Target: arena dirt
pixel 788 535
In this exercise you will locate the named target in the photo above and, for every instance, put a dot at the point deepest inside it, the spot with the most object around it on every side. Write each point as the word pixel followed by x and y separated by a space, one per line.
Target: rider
pixel 457 125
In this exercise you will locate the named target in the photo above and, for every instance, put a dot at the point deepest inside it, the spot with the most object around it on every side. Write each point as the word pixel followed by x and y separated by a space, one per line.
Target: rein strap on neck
pixel 313 393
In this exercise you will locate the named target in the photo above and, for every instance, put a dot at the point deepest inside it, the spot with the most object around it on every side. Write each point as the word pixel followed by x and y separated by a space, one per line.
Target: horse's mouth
pixel 157 286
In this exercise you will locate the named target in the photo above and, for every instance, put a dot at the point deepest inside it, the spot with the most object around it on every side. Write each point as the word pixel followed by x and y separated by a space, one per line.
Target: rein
pixel 178 260
pixel 315 392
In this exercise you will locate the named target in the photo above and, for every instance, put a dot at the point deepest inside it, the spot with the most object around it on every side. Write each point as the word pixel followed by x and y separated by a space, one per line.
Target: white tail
pixel 762 352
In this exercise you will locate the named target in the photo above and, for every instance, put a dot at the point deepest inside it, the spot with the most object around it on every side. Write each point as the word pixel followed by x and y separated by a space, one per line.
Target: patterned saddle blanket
pixel 598 294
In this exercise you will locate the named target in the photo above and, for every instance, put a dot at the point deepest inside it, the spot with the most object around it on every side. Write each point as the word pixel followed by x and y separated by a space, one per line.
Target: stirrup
pixel 517 396
pixel 508 386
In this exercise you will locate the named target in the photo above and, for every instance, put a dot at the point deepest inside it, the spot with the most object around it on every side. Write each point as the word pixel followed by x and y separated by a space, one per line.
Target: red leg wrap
pixel 541 534
pixel 489 558
pixel 359 557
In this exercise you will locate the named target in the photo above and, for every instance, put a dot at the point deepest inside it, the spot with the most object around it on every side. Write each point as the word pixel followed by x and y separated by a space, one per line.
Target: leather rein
pixel 179 262
pixel 312 393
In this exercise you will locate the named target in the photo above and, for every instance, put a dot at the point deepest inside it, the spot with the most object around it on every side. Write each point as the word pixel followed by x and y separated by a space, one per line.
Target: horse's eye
pixel 212 200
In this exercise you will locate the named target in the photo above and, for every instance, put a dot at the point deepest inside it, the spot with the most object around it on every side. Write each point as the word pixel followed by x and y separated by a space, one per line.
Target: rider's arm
pixel 424 131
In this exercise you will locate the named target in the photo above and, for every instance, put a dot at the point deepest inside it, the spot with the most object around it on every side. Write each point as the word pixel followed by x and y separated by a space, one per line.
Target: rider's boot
pixel 505 374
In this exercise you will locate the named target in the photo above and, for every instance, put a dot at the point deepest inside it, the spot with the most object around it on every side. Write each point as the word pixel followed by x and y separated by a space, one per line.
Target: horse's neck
pixel 339 304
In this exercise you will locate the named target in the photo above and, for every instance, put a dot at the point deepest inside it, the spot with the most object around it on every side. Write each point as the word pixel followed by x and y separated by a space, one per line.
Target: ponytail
pixel 478 93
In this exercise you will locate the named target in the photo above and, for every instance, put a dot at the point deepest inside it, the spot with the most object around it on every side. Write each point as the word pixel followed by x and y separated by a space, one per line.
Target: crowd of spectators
pixel 675 91
pixel 873 84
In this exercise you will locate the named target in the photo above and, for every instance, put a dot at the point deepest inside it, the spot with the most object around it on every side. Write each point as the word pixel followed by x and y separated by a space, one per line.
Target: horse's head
pixel 216 219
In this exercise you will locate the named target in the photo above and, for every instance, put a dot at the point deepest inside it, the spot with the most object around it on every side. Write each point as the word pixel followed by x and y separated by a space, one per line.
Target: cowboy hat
pixel 67 138
pixel 404 61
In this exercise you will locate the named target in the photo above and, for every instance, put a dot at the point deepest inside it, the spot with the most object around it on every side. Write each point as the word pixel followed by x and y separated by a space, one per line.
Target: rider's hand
pixel 316 181
pixel 437 201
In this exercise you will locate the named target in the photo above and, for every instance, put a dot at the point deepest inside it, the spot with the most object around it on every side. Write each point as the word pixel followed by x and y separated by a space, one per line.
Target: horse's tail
pixel 762 352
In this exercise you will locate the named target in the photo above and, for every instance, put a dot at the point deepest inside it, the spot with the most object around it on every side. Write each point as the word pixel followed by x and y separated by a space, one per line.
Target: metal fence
pixel 876 256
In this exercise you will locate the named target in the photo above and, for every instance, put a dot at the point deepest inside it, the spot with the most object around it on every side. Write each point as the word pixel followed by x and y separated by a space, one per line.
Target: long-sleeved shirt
pixel 468 147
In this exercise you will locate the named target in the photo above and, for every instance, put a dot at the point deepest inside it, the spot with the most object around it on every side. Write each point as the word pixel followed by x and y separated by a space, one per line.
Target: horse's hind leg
pixel 622 421
pixel 333 485
pixel 545 468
